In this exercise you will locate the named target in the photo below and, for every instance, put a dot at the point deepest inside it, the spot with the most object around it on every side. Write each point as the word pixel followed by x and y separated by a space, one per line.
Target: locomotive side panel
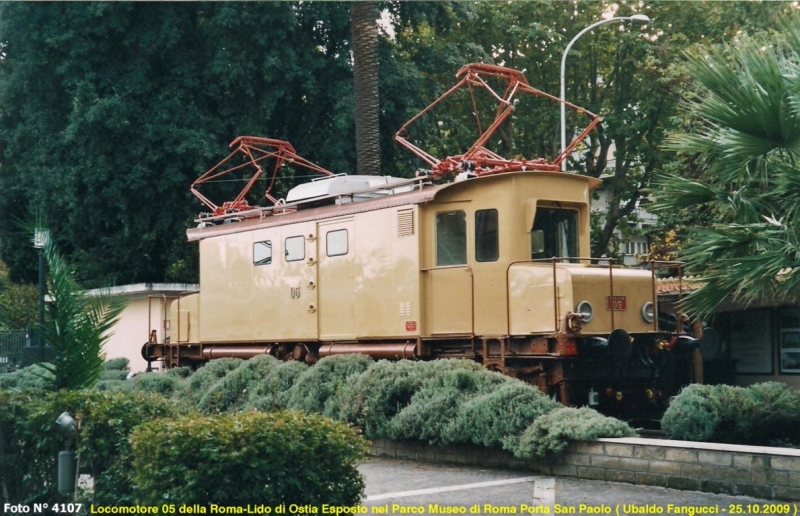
pixel 387 285
pixel 257 286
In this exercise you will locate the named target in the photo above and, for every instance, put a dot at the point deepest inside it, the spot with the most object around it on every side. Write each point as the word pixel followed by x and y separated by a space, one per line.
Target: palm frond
pixel 76 326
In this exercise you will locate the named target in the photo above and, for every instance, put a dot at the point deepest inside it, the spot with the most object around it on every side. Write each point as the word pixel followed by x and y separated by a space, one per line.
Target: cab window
pixel 554 233
pixel 451 238
pixel 486 243
pixel 262 252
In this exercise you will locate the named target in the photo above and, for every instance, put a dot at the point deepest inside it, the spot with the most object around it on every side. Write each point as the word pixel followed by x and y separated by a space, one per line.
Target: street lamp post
pixel 636 18
pixel 40 237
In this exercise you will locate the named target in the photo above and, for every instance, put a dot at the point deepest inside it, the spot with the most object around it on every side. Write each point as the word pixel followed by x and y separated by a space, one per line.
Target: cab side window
pixel 486 236
pixel 451 238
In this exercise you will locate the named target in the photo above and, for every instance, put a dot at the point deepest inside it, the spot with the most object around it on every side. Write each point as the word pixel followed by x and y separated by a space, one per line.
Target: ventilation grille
pixel 405 223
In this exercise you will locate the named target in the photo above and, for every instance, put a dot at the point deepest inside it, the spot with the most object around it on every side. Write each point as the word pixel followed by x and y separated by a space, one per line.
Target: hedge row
pixel 764 414
pixel 142 447
pixel 441 401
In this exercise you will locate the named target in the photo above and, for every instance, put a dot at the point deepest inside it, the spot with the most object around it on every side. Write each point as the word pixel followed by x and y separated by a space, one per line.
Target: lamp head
pixel 639 18
pixel 67 422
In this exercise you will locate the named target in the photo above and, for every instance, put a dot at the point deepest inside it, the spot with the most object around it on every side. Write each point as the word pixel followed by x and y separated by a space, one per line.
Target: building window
pixel 451 238
pixel 790 341
pixel 295 248
pixel 262 252
pixel 336 242
pixel 630 248
pixel 751 342
pixel 486 239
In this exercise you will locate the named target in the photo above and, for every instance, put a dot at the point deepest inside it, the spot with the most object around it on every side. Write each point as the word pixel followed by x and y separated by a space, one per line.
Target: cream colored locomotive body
pixel 486 269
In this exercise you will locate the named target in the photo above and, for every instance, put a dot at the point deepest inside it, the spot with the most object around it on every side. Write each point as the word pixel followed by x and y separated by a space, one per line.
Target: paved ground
pixel 404 487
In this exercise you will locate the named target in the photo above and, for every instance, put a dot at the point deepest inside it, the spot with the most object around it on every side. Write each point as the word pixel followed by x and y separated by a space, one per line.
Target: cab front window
pixel 554 233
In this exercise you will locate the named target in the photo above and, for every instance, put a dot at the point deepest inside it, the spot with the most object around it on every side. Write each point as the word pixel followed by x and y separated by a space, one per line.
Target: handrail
pixel 556 307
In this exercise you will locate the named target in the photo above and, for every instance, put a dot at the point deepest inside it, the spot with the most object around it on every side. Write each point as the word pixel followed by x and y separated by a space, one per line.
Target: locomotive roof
pixel 296 212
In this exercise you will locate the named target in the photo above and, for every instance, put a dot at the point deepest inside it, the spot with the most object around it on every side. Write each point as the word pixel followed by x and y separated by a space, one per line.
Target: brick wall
pixel 758 471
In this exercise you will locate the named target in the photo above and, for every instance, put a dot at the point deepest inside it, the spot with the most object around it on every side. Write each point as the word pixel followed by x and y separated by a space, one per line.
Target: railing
pixel 654 265
pixel 12 349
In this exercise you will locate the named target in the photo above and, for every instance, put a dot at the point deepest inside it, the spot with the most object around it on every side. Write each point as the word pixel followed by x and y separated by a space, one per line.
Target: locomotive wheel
pixel 282 352
pixel 299 352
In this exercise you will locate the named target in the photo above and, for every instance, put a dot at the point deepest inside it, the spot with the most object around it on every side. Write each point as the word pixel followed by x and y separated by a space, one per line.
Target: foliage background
pixel 108 111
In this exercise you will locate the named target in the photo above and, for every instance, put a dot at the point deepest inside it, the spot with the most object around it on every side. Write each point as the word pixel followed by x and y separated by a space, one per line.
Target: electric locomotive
pixel 491 266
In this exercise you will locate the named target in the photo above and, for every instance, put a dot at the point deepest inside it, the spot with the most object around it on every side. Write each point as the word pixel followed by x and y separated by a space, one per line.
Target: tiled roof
pixel 672 285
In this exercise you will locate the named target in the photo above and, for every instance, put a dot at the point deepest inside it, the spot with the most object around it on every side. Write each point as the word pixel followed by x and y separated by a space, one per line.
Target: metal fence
pixel 12 350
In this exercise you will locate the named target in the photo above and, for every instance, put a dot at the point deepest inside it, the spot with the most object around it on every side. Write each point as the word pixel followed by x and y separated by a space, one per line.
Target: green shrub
pixel 114 385
pixel 230 392
pixel 433 407
pixel 31 378
pixel 775 417
pixel 201 380
pixel 319 388
pixel 497 419
pixel 117 364
pixel 113 374
pixel 373 398
pixel 31 440
pixel 763 413
pixel 106 421
pixel 250 457
pixel 691 416
pixel 551 433
pixel 180 372
pixel 273 390
pixel 161 383
pixel 29 445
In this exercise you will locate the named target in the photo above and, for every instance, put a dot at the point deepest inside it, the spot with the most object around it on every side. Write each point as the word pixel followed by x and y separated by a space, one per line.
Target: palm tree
pixel 76 328
pixel 363 23
pixel 745 143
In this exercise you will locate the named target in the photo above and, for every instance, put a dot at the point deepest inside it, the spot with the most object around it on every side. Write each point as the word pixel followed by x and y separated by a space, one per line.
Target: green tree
pixel 18 302
pixel 110 111
pixel 630 75
pixel 744 143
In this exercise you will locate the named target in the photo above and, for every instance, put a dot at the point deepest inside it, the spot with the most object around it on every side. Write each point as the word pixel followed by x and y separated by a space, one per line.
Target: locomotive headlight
pixel 648 312
pixel 586 311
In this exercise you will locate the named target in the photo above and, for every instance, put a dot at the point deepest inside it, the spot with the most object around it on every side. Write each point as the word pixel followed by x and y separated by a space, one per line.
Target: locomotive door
pixel 450 284
pixel 337 281
pixel 299 274
pixel 450 297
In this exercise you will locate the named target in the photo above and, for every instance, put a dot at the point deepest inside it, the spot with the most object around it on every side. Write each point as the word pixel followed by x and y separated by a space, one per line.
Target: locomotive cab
pixel 535 306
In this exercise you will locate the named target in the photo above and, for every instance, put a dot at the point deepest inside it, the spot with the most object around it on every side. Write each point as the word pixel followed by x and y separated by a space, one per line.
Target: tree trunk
pixel 363 22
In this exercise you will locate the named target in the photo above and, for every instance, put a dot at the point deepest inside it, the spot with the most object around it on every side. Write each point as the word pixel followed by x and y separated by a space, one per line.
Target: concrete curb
pixel 757 471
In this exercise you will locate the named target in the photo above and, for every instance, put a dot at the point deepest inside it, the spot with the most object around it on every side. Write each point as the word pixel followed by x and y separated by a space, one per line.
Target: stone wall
pixel 758 471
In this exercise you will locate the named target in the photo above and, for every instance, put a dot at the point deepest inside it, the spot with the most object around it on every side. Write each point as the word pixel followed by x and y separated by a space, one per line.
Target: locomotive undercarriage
pixel 625 376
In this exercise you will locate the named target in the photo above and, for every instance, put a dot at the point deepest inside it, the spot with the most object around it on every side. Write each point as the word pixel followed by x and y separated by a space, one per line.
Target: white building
pixel 145 311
